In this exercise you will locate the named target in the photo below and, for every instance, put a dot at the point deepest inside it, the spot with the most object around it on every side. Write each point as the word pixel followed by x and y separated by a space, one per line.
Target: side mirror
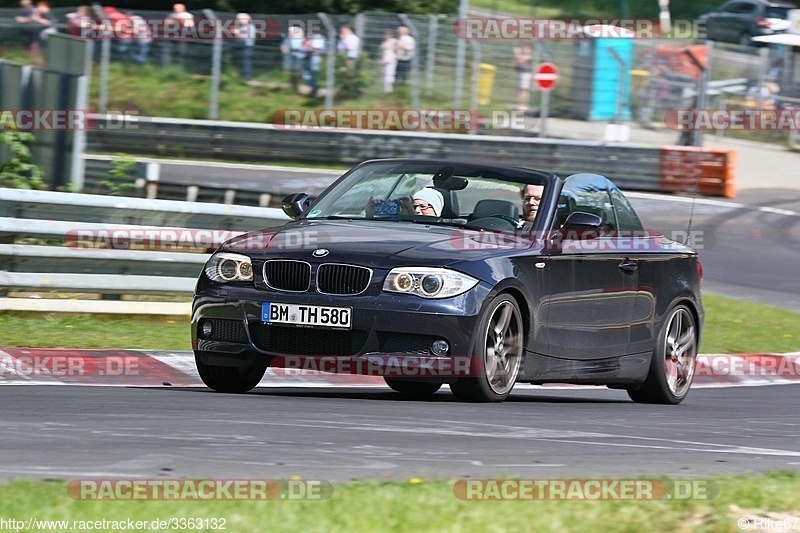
pixel 295 205
pixel 579 220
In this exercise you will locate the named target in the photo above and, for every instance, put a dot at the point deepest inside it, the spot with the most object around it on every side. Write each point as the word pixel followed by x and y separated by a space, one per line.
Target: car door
pixel 590 281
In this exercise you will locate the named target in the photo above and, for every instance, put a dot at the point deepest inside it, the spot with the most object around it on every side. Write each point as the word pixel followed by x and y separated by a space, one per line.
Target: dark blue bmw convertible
pixel 473 275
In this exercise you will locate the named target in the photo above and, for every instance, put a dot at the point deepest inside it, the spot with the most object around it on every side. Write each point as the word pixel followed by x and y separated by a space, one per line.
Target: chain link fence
pixel 614 80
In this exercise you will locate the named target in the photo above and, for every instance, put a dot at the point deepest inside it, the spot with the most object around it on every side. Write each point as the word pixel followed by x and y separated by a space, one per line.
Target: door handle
pixel 628 266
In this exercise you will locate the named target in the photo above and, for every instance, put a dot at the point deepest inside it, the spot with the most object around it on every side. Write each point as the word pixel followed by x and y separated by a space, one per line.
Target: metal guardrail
pixel 628 165
pixel 49 241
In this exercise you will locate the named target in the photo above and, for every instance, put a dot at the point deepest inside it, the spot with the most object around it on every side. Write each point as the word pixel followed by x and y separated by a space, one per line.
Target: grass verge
pixel 431 506
pixel 732 326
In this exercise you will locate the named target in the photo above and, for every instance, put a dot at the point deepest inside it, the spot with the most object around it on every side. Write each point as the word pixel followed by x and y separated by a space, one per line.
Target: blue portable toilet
pixel 597 74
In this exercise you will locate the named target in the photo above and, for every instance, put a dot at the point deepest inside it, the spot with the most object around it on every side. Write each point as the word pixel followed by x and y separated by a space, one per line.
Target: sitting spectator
pixel 80 23
pixel 762 95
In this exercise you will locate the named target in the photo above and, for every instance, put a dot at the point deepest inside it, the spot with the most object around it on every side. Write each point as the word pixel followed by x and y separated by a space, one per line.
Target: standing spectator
pixel 26 18
pixel 522 64
pixel 350 46
pixel 294 45
pixel 388 60
pixel 245 35
pixel 184 19
pixel 121 29
pixel 314 47
pixel 406 48
pixel 142 37
pixel 42 22
pixel 80 23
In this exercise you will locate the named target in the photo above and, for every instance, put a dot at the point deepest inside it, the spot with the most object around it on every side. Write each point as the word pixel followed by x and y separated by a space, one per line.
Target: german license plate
pixel 306 315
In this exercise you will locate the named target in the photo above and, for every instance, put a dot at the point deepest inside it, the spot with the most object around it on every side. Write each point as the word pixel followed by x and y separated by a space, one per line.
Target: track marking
pixel 714 203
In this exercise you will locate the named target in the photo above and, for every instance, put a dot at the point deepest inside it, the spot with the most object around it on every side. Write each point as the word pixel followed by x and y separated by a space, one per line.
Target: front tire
pixel 496 354
pixel 674 358
pixel 420 389
pixel 232 379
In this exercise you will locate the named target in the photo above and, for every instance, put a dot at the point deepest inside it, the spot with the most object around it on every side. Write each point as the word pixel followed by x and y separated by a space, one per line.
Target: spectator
pixel 388 60
pixel 522 64
pixel 26 19
pixel 42 21
pixel 245 36
pixel 314 47
pixel 406 48
pixel 184 19
pixel 294 46
pixel 350 46
pixel 121 29
pixel 80 23
pixel 142 37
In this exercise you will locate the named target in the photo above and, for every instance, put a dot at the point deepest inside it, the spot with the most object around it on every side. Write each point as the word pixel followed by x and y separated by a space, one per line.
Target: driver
pixel 531 197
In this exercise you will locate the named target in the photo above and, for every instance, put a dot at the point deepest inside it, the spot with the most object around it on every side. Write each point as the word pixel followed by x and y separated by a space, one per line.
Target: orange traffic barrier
pixel 707 171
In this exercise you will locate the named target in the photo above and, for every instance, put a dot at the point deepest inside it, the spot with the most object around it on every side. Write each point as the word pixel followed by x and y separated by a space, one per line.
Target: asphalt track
pixel 336 434
pixel 750 249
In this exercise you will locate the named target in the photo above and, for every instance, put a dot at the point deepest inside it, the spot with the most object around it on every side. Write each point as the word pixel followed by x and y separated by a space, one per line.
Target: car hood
pixel 377 244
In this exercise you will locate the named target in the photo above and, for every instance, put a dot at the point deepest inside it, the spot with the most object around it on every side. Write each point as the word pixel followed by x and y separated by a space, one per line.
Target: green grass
pixel 731 326
pixel 430 505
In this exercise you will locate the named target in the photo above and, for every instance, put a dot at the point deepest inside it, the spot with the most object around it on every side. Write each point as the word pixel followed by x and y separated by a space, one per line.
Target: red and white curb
pixel 143 368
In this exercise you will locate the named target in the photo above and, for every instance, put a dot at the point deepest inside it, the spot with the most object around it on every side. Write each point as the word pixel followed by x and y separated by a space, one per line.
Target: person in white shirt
pixel 406 48
pixel 350 46
pixel 388 60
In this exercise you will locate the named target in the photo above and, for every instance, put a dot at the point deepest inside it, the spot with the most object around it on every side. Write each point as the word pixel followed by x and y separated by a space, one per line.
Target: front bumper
pixel 391 334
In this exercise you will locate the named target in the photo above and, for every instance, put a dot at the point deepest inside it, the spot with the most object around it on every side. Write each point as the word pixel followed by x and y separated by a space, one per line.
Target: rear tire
pixel 496 354
pixel 232 379
pixel 413 388
pixel 674 358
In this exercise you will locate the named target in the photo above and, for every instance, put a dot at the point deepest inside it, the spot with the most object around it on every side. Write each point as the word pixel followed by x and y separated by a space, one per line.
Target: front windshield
pixel 431 192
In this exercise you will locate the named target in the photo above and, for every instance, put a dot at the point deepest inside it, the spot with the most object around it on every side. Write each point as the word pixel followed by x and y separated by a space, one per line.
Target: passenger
pixel 428 202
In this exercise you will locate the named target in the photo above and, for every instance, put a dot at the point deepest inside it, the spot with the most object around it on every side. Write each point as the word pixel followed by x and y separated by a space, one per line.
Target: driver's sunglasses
pixel 527 199
pixel 423 207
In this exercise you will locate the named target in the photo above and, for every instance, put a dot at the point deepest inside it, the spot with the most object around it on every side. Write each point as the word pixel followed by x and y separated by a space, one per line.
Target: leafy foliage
pixel 18 171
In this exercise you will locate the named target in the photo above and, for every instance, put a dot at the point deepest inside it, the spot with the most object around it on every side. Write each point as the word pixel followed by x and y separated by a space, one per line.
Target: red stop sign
pixel 546 76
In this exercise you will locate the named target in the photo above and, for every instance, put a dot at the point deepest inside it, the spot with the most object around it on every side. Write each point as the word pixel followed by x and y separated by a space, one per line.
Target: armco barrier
pixel 48 239
pixel 630 166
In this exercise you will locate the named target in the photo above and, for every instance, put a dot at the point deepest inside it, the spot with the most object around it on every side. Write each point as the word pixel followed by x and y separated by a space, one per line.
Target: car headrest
pixel 491 206
pixel 450 209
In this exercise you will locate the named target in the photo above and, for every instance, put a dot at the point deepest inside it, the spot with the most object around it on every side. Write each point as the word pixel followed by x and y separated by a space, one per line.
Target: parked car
pixel 740 20
pixel 468 294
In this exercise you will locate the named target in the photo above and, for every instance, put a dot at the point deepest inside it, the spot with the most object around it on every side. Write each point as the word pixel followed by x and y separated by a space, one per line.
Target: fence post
pixel 461 52
pixel 105 57
pixel 330 61
pixel 433 24
pixel 414 61
pixel 216 67
pixel 476 76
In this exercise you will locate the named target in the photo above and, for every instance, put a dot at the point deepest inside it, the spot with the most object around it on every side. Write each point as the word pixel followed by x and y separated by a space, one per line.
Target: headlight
pixel 224 267
pixel 428 282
